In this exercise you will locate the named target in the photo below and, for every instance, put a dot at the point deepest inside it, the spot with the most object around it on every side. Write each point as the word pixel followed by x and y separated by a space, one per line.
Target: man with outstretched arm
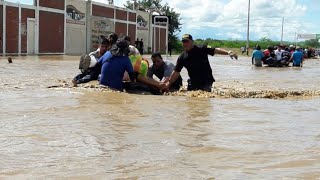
pixel 195 60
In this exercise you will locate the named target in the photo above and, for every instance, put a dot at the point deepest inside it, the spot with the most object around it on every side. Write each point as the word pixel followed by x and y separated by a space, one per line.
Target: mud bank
pixel 219 91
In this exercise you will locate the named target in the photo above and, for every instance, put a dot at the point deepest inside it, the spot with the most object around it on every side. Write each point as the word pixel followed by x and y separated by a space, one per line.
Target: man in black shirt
pixel 195 60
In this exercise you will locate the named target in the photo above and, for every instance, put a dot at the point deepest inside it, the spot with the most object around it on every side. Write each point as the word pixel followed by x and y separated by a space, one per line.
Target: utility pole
pixel 248 29
pixel 282 30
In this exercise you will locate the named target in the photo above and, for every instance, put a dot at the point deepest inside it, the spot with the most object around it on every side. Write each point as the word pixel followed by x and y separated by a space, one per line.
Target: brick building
pixel 71 27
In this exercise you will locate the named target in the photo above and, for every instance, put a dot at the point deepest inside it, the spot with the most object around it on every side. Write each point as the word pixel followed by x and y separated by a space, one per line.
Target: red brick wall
pixel 51 35
pixel 1 25
pixel 12 30
pixel 25 13
pixel 132 33
pixel 156 39
pixel 102 11
pixel 121 29
pixel 132 17
pixel 163 40
pixel 121 15
pixel 56 4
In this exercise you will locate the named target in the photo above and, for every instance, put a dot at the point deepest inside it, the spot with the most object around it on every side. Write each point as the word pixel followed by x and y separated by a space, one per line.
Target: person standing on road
pixel 195 60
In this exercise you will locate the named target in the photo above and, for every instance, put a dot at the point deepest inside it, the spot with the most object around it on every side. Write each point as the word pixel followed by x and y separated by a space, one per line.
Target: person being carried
pixel 195 60
pixel 257 57
pixel 163 70
pixel 90 69
pixel 115 62
pixel 297 58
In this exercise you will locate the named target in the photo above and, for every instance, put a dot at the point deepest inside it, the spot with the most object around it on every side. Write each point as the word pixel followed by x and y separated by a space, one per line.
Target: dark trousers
pixel 207 87
pixel 170 51
pixel 83 78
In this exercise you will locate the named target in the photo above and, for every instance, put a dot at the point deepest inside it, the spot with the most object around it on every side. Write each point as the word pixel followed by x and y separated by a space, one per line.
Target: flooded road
pixel 77 133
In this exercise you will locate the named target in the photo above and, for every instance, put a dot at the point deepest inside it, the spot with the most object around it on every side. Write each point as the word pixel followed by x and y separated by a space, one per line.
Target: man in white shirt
pixel 279 52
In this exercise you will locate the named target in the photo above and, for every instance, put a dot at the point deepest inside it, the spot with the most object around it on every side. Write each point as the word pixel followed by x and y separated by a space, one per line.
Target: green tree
pixel 312 43
pixel 161 9
pixel 265 39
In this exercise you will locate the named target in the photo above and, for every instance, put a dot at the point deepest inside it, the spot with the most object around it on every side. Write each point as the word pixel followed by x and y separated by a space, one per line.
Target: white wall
pixel 76 29
pixel 143 32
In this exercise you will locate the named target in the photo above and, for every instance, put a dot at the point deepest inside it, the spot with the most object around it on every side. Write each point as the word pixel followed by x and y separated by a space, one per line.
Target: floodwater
pixel 79 133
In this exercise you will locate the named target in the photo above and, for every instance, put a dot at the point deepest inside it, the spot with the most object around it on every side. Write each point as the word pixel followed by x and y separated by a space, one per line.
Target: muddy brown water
pixel 76 133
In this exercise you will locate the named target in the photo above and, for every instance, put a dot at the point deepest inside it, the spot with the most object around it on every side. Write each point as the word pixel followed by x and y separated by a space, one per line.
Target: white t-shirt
pixel 278 54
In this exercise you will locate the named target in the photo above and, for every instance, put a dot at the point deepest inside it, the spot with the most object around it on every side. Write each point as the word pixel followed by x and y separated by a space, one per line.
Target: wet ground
pixel 263 123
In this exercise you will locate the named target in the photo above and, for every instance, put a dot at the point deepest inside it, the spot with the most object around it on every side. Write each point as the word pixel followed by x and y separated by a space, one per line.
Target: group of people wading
pixel 119 65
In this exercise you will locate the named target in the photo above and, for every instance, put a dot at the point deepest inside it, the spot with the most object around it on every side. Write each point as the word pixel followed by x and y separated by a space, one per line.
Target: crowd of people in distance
pixel 279 56
pixel 119 66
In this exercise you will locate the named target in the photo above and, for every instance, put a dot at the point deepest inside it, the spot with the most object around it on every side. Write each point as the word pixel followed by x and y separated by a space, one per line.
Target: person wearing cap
pixel 115 62
pixel 163 69
pixel 90 69
pixel 292 49
pixel 257 57
pixel 297 58
pixel 195 60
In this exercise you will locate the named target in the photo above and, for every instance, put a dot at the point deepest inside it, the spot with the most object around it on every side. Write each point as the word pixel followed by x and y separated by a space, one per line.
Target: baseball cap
pixel 187 37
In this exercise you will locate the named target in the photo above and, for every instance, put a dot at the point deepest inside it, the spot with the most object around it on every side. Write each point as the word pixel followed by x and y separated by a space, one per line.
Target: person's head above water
pixel 113 37
pixel 157 60
pixel 187 42
pixel 270 48
pixel 121 48
pixel 258 47
pixel 104 45
pixel 127 38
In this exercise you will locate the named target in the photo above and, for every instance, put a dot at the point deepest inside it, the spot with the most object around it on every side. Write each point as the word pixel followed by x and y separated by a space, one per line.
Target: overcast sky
pixel 227 19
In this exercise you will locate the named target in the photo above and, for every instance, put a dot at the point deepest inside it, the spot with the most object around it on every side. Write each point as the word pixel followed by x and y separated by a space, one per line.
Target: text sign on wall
pixel 100 26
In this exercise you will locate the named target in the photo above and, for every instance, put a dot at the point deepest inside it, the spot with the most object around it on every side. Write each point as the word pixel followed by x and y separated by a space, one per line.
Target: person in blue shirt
pixel 297 58
pixel 115 62
pixel 257 57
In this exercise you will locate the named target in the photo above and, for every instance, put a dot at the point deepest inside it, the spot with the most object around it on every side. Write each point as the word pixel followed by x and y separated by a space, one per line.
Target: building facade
pixel 71 27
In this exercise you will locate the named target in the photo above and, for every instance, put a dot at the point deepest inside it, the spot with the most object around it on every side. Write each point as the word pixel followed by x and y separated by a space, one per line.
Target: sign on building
pixel 99 27
pixel 306 36
pixel 142 23
pixel 75 16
